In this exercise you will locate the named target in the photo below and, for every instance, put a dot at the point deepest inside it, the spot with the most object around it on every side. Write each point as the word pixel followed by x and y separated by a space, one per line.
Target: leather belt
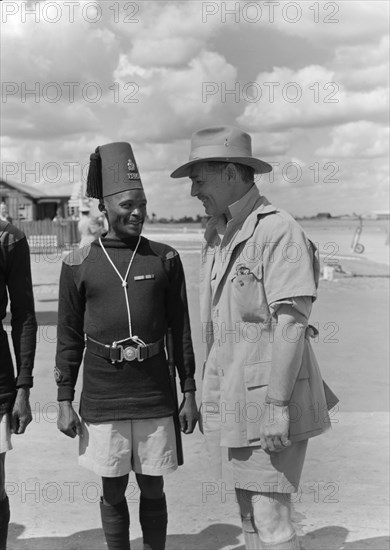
pixel 117 353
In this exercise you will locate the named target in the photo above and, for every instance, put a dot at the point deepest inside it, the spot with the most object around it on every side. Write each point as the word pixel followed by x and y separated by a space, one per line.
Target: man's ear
pixel 102 207
pixel 231 173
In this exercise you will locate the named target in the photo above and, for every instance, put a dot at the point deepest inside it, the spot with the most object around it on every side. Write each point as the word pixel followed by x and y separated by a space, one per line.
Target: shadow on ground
pixel 333 538
pixel 215 537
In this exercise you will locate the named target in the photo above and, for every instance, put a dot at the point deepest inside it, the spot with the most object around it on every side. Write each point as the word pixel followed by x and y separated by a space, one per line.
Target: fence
pixel 49 236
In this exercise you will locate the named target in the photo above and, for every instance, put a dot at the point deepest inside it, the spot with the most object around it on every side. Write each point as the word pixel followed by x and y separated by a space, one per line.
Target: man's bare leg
pixel 271 520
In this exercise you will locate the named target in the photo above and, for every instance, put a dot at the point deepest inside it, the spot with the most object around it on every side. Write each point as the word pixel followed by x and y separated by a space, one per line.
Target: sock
pixel 116 522
pixel 153 517
pixel 251 536
pixel 4 521
pixel 292 543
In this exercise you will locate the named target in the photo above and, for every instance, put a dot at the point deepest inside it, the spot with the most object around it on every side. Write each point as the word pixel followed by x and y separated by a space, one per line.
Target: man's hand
pixel 21 411
pixel 274 428
pixel 68 420
pixel 188 413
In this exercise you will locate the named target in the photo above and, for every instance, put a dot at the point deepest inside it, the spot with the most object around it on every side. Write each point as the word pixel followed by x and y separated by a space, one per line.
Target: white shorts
pixel 5 433
pixel 113 449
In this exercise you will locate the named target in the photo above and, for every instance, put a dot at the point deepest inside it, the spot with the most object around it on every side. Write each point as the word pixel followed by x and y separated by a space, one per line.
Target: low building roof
pixel 42 190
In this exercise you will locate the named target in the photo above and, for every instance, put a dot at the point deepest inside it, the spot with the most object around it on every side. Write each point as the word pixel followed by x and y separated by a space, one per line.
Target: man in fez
pixel 118 296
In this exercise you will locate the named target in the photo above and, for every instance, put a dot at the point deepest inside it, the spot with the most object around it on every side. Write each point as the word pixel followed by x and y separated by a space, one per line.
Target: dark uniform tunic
pixel 92 302
pixel 15 275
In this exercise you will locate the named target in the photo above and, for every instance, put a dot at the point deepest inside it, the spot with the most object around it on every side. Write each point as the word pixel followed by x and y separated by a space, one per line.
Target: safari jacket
pixel 266 259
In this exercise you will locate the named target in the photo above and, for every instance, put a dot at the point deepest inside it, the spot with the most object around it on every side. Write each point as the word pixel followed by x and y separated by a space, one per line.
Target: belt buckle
pixel 130 353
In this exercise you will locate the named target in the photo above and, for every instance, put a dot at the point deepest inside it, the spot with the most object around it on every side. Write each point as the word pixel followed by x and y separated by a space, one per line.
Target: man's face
pixel 210 186
pixel 126 213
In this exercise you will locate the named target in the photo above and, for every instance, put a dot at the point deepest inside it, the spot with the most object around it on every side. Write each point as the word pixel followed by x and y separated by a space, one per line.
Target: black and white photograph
pixel 194 275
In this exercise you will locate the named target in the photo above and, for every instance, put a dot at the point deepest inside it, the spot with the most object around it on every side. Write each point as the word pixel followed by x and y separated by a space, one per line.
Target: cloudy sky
pixel 308 80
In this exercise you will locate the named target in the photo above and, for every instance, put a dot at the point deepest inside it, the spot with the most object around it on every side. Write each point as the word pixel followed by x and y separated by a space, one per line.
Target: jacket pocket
pixel 256 386
pixel 248 293
pixel 256 376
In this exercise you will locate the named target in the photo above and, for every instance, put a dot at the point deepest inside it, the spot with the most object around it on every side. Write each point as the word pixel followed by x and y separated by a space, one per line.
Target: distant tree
pixel 322 215
pixel 185 219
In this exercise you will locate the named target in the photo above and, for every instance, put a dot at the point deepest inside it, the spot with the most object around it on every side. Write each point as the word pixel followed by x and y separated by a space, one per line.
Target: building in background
pixel 36 202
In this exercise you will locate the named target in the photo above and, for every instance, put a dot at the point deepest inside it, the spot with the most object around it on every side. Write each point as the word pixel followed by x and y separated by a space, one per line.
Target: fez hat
pixel 112 169
pixel 223 144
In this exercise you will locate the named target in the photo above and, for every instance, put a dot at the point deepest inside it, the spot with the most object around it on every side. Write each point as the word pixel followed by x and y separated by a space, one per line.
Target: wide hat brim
pixel 259 166
pixel 221 144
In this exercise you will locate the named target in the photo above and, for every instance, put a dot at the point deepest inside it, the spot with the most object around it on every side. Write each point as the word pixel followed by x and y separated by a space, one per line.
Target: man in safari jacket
pixel 263 396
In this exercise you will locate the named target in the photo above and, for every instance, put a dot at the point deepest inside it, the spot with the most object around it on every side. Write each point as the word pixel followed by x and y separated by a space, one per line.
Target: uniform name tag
pixel 143 277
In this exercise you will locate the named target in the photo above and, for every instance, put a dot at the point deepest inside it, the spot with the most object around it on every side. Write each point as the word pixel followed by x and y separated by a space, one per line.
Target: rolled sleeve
pixel 288 263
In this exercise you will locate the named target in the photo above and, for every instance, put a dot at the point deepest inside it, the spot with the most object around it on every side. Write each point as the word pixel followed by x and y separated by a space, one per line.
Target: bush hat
pixel 223 144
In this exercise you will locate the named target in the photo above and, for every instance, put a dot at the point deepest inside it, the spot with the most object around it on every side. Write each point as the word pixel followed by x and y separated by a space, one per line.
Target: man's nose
pixel 194 189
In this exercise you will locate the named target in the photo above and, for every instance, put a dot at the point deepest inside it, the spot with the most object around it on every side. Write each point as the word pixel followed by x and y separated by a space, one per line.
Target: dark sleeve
pixel 70 334
pixel 23 322
pixel 179 322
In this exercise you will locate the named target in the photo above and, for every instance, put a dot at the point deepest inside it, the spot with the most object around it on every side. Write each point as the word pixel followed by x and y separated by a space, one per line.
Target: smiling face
pixel 126 213
pixel 210 184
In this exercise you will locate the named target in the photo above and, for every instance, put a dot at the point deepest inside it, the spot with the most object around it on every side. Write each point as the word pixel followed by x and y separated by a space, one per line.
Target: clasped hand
pixel 274 428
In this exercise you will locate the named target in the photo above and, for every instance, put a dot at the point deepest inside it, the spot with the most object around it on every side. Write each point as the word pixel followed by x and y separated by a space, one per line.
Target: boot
pixel 4 521
pixel 154 519
pixel 115 522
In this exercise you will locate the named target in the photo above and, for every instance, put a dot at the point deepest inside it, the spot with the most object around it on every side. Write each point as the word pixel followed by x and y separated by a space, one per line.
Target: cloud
pixel 170 102
pixel 52 48
pixel 38 123
pixel 166 34
pixel 269 144
pixel 309 97
pixel 360 139
pixel 363 67
pixel 358 186
pixel 341 22
pixel 173 51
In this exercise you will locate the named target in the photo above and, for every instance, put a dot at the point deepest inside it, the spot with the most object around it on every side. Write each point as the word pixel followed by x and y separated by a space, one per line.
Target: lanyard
pixel 124 285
